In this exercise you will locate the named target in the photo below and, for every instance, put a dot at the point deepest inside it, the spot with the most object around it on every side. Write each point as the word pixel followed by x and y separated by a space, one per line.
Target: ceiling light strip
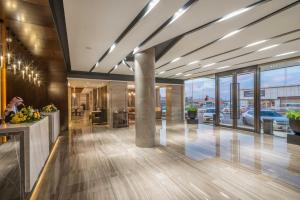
pixel 185 7
pixel 289 41
pixel 166 23
pixel 240 29
pixel 236 49
pixel 149 6
pixel 130 68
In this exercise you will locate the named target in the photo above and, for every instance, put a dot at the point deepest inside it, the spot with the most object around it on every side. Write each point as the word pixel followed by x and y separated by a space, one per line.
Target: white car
pixel 208 115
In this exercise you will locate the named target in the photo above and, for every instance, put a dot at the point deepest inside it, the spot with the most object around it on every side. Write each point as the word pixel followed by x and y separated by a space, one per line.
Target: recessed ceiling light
pixel 287 53
pixel 208 65
pixel 178 74
pixel 235 13
pixel 188 75
pixel 176 59
pixel 256 43
pixel 162 72
pixel 136 49
pixel 178 14
pixel 112 47
pixel 231 34
pixel 268 47
pixel 151 5
pixel 194 62
pixel 224 67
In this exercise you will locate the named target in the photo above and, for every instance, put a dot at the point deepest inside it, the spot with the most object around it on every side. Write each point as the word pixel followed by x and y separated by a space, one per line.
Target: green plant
pixel 26 114
pixel 292 114
pixel 49 108
pixel 191 108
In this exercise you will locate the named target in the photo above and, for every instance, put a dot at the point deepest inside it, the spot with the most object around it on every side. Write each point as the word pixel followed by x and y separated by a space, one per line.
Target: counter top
pixel 8 127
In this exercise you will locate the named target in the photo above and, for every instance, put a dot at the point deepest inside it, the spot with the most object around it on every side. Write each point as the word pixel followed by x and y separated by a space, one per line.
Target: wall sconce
pixel 8 58
pixel 1 58
pixel 19 64
pixel 14 68
pixel 23 74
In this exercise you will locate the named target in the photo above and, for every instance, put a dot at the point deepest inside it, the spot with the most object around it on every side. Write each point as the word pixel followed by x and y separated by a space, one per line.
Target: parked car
pixel 208 115
pixel 226 110
pixel 280 122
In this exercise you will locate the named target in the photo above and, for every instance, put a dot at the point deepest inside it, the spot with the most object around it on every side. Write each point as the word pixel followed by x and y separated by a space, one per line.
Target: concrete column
pixel 145 98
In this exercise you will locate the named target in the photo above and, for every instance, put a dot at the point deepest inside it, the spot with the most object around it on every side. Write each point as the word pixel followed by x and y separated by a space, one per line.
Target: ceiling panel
pixel 94 25
pixel 294 46
pixel 124 69
pixel 215 31
pixel 200 13
pixel 259 32
pixel 288 47
pixel 89 39
pixel 140 31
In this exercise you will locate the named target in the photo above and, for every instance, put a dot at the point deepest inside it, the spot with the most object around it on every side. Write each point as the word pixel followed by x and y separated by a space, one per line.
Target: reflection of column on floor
pixel 117 99
pixel 257 153
pixel 235 145
pixel 174 101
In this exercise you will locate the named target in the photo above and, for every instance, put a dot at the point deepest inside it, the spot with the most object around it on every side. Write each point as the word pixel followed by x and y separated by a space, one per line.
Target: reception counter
pixel 34 148
pixel 54 126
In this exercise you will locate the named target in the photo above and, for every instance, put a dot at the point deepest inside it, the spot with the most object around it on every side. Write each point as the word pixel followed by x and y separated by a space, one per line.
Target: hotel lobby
pixel 149 99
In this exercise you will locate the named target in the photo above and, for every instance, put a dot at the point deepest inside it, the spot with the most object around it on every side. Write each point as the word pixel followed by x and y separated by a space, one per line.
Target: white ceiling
pixel 94 25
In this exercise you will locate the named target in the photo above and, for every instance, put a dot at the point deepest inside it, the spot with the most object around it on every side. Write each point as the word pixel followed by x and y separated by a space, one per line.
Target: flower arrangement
pixel 26 114
pixel 49 108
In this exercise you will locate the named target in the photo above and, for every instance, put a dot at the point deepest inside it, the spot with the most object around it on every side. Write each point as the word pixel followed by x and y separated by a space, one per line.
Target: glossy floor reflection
pixel 189 162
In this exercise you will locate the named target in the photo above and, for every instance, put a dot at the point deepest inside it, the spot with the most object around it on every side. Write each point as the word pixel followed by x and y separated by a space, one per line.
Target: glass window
pixel 280 92
pixel 201 94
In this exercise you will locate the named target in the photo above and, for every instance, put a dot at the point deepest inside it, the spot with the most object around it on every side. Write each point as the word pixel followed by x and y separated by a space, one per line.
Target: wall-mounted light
pixel 8 58
pixel 23 74
pixel 14 68
pixel 1 61
pixel 19 64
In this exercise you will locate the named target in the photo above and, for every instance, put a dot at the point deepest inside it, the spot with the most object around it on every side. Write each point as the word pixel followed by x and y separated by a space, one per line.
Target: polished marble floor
pixel 188 162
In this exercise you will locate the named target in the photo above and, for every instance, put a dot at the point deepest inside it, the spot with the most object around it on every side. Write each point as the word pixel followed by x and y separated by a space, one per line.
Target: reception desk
pixel 34 149
pixel 54 126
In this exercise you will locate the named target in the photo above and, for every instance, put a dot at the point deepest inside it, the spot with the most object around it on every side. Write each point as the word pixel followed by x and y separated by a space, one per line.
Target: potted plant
pixel 192 111
pixel 294 121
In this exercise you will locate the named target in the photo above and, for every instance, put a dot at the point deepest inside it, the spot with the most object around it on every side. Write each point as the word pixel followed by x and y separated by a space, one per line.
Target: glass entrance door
pixel 245 100
pixel 236 99
pixel 225 100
